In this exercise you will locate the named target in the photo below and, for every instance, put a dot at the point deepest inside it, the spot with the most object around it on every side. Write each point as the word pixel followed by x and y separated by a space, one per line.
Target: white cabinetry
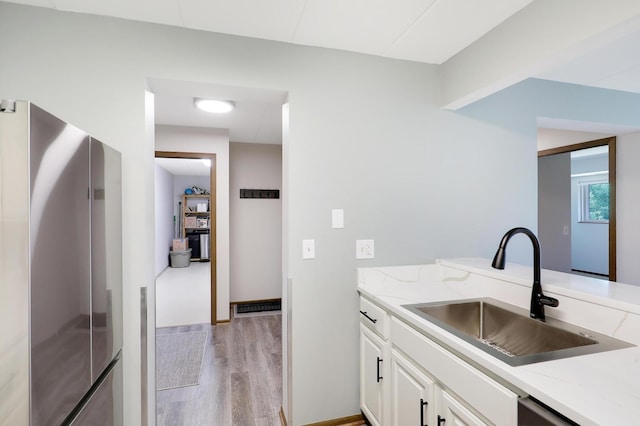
pixel 374 362
pixel 412 394
pixel 452 412
pixel 408 379
pixel 372 374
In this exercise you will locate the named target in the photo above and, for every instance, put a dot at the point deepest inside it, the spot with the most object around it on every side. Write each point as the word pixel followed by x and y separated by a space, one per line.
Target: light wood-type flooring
pixel 241 378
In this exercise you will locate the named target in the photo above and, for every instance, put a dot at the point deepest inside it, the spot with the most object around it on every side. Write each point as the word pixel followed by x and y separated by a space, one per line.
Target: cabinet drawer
pixel 374 317
pixel 495 402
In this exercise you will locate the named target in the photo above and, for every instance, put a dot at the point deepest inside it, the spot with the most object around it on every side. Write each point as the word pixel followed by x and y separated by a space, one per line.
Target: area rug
pixel 179 359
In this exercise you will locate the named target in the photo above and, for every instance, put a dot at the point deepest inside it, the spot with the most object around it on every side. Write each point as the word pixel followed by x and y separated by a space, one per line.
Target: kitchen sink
pixel 509 334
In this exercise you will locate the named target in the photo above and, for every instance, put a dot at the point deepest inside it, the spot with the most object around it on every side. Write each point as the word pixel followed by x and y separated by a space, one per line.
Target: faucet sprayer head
pixel 499 258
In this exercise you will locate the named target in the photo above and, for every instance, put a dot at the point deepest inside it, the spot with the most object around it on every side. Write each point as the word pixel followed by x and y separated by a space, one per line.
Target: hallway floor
pixel 241 377
pixel 240 382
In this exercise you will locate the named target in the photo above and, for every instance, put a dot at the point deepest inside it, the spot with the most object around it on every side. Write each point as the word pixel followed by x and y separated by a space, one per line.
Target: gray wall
pixel 256 224
pixel 554 211
pixel 164 211
pixel 398 168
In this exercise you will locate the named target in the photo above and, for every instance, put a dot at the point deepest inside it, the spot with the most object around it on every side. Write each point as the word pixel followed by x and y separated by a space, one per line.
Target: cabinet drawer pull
pixel 378 376
pixel 440 420
pixel 373 320
pixel 423 404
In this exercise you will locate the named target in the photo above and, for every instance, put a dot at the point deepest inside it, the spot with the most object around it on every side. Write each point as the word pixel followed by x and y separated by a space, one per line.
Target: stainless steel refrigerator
pixel 60 272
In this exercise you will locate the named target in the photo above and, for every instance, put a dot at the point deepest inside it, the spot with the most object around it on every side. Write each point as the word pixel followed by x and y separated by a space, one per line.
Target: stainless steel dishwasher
pixel 532 413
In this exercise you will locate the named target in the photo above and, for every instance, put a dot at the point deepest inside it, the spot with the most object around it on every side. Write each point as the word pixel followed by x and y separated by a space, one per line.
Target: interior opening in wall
pixel 185 238
pixel 241 142
pixel 576 203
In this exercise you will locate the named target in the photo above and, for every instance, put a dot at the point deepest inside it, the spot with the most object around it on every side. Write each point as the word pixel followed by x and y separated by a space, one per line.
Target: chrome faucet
pixel 538 299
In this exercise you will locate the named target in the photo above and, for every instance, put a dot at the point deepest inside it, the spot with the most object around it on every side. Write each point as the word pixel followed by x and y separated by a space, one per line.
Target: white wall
pixel 164 217
pixel 554 138
pixel 256 224
pixel 398 168
pixel 180 183
pixel 521 46
pixel 213 141
pixel 628 205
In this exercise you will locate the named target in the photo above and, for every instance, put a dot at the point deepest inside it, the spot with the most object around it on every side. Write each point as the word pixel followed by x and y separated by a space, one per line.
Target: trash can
pixel 205 255
pixel 194 243
pixel 180 258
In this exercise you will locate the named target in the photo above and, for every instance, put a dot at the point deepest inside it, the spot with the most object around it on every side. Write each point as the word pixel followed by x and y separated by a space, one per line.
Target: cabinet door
pixel 372 375
pixel 453 413
pixel 412 402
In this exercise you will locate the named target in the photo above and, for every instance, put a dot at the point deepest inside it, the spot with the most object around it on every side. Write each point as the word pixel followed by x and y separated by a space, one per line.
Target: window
pixel 594 202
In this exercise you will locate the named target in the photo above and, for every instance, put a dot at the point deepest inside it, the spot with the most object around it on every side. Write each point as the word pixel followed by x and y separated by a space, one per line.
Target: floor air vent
pixel 246 308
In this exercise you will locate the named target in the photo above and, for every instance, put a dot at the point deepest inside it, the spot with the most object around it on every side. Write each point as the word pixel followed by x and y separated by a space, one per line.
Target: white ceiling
pixel 418 30
pixel 430 31
pixel 184 166
pixel 257 117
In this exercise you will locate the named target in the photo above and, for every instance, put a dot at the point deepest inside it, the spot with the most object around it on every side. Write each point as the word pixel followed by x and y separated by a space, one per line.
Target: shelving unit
pixel 194 219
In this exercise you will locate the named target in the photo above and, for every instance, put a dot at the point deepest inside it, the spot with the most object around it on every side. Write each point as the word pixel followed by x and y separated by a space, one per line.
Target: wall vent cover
pixel 260 193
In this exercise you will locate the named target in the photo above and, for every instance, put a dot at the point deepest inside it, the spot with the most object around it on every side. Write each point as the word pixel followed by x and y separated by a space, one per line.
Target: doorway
pixel 563 220
pixel 207 218
pixel 258 119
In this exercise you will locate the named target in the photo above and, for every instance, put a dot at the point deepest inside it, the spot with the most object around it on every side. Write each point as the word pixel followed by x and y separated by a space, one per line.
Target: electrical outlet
pixel 364 249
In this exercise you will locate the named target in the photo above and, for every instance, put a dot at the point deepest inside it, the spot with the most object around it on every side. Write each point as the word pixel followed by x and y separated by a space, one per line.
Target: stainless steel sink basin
pixel 507 332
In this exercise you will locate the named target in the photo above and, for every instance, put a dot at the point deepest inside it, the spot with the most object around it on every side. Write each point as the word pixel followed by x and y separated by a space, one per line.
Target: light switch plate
pixel 308 249
pixel 337 218
pixel 364 249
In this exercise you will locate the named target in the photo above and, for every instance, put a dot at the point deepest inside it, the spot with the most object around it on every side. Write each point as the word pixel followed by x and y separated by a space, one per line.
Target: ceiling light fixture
pixel 214 106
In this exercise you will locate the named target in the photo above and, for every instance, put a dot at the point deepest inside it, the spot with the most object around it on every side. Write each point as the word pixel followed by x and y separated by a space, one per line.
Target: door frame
pixel 611 143
pixel 212 227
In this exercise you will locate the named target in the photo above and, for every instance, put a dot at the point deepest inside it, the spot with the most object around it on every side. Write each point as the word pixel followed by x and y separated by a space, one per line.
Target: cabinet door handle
pixel 373 320
pixel 378 376
pixel 440 420
pixel 423 404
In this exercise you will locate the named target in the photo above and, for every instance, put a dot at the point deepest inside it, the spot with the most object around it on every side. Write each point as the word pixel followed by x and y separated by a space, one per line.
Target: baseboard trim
pixel 591 273
pixel 344 421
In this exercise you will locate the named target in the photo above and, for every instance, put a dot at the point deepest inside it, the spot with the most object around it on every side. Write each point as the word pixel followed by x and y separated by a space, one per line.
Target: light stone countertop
pixel 595 389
